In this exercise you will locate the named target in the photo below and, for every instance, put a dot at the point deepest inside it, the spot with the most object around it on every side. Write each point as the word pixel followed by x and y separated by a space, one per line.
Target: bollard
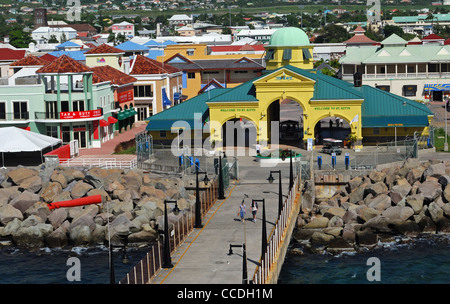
pixel 333 160
pixel 197 163
pixel 347 161
pixel 180 160
pixel 192 160
pixel 319 162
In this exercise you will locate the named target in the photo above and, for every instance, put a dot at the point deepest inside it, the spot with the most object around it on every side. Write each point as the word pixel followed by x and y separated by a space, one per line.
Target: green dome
pixel 289 36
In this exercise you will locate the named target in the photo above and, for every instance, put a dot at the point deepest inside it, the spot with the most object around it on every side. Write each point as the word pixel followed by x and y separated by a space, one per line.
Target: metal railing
pixel 107 163
pixel 149 266
pixel 15 116
pixel 270 264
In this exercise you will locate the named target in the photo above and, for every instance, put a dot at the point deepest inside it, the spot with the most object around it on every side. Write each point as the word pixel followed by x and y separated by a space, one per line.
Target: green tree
pixel 19 38
pixel 333 34
pixel 53 39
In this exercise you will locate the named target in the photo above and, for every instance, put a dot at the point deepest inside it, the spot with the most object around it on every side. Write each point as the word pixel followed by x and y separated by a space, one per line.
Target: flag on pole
pixel 355 119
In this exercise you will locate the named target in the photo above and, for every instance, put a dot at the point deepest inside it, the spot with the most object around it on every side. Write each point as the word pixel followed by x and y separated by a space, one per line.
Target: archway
pixel 335 127
pixel 289 114
pixel 239 133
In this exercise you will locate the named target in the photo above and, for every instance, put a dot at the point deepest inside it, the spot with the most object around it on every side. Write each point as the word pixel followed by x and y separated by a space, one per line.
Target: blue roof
pixel 131 46
pixel 67 44
pixel 169 42
pixel 153 42
pixel 155 53
pixel 76 55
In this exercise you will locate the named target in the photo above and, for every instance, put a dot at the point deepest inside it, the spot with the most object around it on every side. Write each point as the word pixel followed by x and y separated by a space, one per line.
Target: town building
pixel 123 28
pixel 44 33
pixel 417 72
pixel 371 114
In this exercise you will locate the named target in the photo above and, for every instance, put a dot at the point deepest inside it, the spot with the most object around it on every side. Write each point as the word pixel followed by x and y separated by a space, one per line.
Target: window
pixel 306 54
pixel 376 131
pixel 143 91
pixel 64 106
pixel 162 134
pixel 2 110
pixel 52 131
pixel 191 75
pixel 20 109
pixel 409 90
pixel 190 52
pixel 287 54
pixel 270 54
pixel 384 87
pixel 240 72
pixel 66 134
pixel 78 105
pixel 50 110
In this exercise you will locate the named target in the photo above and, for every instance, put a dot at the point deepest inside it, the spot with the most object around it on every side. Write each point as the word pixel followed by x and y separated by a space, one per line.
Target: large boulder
pixel 365 213
pixel 51 190
pixel 377 176
pixel 415 202
pixel 430 190
pixel 57 217
pixel 32 184
pixel 80 189
pixel 435 211
pixel 366 238
pixel 398 214
pixel 24 200
pixel 81 235
pixel 20 174
pixel 378 224
pixel 9 213
pixel 399 192
pixel 317 222
pixel 380 202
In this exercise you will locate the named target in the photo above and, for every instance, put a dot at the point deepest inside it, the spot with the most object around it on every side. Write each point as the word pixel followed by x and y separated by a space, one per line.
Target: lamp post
pixel 445 142
pixel 198 213
pixel 244 261
pixel 280 194
pixel 125 258
pixel 301 15
pixel 291 171
pixel 221 190
pixel 167 260
pixel 264 228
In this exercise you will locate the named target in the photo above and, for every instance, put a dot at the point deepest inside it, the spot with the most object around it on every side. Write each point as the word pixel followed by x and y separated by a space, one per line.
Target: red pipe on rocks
pixel 93 199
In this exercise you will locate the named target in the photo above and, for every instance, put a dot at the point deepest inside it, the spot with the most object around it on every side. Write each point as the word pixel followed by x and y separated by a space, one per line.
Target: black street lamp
pixel 167 260
pixel 264 228
pixel 125 258
pixel 221 189
pixel 244 261
pixel 280 194
pixel 198 213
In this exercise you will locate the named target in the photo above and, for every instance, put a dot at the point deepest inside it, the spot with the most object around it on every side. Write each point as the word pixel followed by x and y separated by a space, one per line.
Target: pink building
pixel 124 28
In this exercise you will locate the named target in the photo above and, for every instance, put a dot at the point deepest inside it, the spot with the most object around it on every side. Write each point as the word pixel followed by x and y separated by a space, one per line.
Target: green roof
pixel 381 109
pixel 183 112
pixel 289 36
pixel 394 39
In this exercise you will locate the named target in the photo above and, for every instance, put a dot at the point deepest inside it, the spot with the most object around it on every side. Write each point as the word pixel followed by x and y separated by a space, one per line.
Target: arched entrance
pixel 289 115
pixel 239 133
pixel 331 127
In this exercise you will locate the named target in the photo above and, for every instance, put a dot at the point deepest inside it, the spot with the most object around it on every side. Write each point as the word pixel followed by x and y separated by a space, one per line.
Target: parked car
pixel 331 146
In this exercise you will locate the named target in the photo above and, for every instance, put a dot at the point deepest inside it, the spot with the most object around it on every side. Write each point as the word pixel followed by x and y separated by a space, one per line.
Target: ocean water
pixel 49 266
pixel 421 261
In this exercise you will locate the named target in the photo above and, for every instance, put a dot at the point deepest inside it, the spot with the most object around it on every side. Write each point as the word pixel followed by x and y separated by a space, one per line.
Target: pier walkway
pixel 204 256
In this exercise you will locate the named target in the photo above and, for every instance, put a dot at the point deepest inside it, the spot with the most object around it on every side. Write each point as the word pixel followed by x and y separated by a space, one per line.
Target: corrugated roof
pixel 131 46
pixel 184 112
pixel 144 65
pixel 30 60
pixel 394 39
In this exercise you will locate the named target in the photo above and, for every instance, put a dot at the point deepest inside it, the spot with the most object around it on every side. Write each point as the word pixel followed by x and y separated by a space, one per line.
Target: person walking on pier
pixel 242 210
pixel 254 210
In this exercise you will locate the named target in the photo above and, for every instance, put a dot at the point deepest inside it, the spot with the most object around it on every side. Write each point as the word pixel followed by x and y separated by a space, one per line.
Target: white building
pixel 44 33
pixel 180 19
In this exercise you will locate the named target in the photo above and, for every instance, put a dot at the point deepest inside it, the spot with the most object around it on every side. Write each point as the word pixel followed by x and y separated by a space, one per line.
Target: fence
pixel 279 238
pixel 149 266
pixel 107 163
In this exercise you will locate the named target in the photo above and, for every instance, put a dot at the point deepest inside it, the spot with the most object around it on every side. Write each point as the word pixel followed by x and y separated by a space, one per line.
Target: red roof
pixel 30 60
pixel 361 39
pixel 359 29
pixel 145 65
pixel 7 54
pixel 108 73
pixel 49 58
pixel 447 42
pixel 432 37
pixel 104 49
pixel 63 64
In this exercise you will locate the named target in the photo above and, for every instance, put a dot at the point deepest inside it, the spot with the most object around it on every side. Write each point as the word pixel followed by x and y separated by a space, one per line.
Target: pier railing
pixel 270 264
pixel 149 266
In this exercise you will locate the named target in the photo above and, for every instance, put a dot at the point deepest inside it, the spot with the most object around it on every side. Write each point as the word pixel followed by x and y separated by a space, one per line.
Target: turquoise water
pixel 425 261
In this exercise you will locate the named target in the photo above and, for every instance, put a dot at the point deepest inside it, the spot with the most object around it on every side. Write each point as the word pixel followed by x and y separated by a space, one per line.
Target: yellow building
pixel 254 106
pixel 104 55
pixel 200 67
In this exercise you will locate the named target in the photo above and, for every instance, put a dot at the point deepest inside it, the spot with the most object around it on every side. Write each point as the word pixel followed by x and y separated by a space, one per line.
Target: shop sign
pixel 125 96
pixel 238 110
pixel 81 114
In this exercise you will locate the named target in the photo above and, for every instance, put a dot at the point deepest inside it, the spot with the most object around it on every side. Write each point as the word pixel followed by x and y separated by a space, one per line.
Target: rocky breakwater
pixel 408 201
pixel 134 201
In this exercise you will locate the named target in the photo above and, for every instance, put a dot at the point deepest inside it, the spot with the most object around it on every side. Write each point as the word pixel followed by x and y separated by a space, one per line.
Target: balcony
pixel 15 116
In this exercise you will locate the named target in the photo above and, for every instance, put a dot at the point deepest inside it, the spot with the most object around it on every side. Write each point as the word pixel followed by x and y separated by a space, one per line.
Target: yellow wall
pixel 283 84
pixel 109 59
pixel 200 52
pixel 297 58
